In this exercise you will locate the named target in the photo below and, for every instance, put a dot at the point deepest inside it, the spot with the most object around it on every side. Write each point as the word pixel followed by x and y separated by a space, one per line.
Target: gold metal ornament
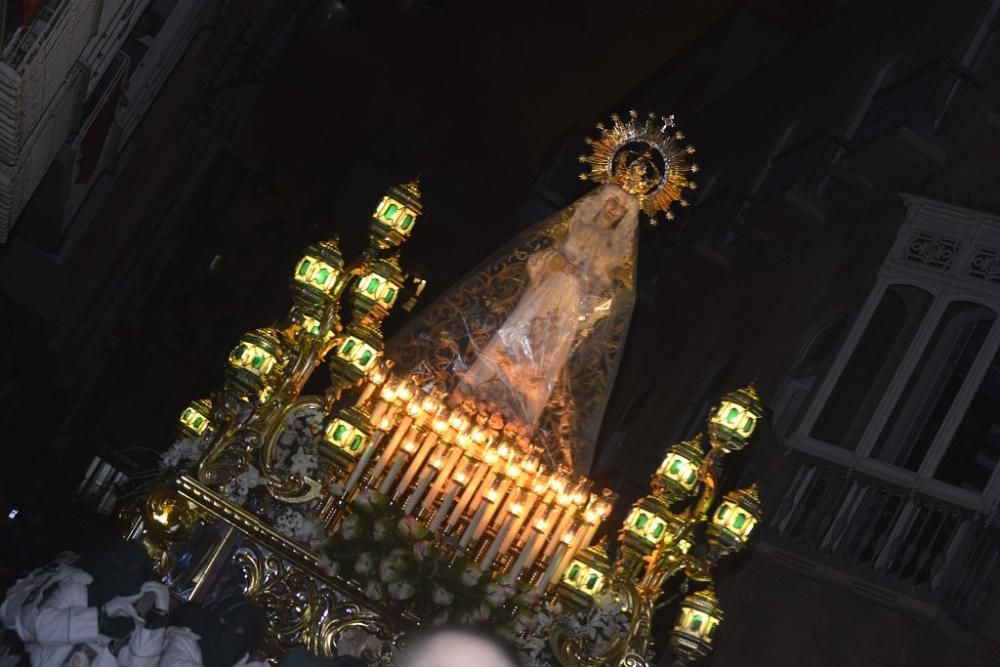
pixel 645 158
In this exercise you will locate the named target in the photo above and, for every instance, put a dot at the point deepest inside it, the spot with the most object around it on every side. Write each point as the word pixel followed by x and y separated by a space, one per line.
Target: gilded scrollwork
pixel 303 609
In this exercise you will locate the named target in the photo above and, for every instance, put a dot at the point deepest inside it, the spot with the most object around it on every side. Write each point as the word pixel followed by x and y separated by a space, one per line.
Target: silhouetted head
pixel 457 647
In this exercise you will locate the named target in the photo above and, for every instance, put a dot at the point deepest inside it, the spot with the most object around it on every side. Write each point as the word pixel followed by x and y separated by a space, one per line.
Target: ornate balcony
pixel 886 540
pixel 904 135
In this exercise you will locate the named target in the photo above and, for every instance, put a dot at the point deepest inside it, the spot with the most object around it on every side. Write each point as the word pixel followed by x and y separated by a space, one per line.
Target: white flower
pixel 304 463
pixel 442 596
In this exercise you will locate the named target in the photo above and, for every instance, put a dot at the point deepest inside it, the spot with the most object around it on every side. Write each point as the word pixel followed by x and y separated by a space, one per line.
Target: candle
pixel 380 409
pixel 553 567
pixel 436 463
pixel 527 555
pixel 473 525
pixel 393 473
pixel 495 494
pixel 491 498
pixel 501 538
pixel 414 498
pixel 470 491
pixel 449 465
pixel 570 539
pixel 416 463
pixel 530 499
pixel 563 524
pixel 359 468
pixel 443 510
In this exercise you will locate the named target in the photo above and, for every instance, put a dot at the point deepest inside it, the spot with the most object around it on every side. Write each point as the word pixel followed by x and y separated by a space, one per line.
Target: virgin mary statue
pixel 533 335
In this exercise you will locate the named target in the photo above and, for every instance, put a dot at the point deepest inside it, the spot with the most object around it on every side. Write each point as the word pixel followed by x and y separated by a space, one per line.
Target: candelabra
pixel 475 483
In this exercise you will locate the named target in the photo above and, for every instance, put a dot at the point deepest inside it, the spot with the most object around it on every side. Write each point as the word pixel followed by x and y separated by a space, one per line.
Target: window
pixel 813 360
pixel 872 365
pixel 936 379
pixel 975 448
pixel 912 395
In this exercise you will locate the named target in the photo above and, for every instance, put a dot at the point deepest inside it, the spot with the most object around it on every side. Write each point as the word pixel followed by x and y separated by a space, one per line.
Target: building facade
pixel 843 254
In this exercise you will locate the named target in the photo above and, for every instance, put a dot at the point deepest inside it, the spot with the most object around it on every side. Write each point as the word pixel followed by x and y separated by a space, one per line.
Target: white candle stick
pixel 470 491
pixel 500 540
pixel 359 467
pixel 495 497
pixel 390 449
pixel 416 463
pixel 414 498
pixel 561 527
pixel 473 525
pixel 553 567
pixel 442 478
pixel 442 511
pixel 397 465
pixel 522 516
pixel 527 555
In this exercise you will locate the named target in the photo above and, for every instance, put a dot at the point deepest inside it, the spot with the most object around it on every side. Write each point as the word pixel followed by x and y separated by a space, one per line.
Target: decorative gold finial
pixel 645 158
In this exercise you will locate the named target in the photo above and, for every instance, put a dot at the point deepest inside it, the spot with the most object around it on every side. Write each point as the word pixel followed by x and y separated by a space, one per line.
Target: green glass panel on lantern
pixel 407 221
pixel 675 467
pixel 186 414
pixel 258 361
pixel 339 432
pixel 592 581
pixel 304 266
pixel 641 520
pixel 739 521
pixel 321 276
pixel 253 362
pixel 574 572
pixel 365 357
pixel 390 294
pixel 734 521
pixel 658 531
pixel 390 211
pixel 694 630
pixel 723 511
pixel 696 621
pixel 733 422
pixel 373 284
pixel 356 443
pixel 348 346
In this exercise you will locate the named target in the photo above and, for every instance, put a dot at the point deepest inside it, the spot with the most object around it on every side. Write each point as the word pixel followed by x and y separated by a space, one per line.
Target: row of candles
pixel 459 472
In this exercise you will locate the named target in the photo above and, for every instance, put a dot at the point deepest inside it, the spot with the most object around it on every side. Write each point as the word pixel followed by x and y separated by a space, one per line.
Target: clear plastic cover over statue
pixel 535 333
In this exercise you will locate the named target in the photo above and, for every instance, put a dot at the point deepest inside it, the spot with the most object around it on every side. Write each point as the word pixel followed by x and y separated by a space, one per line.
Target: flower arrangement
pixel 391 559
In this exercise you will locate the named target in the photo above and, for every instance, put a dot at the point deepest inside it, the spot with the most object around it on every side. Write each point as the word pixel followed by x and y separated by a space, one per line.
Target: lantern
pixel 349 434
pixel 697 623
pixel 733 521
pixel 377 291
pixel 356 354
pixel 678 474
pixel 255 363
pixel 316 274
pixel 194 419
pixel 586 575
pixel 648 525
pixel 396 215
pixel 734 420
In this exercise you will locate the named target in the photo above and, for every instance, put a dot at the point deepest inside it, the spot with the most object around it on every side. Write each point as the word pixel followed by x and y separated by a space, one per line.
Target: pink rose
pixel 365 563
pixel 410 528
pixel 350 527
pixel 420 550
pixel 373 591
pixel 401 590
pixel 471 575
pixel 368 499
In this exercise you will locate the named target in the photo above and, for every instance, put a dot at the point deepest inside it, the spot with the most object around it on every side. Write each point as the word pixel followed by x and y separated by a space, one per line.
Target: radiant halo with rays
pixel 645 157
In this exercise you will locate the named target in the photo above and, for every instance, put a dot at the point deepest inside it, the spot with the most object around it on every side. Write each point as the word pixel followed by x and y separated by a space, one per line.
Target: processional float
pixel 391 501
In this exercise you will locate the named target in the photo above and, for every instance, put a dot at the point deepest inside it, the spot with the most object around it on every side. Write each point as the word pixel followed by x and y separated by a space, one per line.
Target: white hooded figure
pixel 49 611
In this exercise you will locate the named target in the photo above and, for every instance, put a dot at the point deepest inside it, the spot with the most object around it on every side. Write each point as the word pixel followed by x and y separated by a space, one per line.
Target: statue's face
pixel 614 209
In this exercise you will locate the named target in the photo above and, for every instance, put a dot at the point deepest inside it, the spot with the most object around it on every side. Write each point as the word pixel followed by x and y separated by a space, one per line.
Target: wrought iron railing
pixel 888 535
pixel 925 100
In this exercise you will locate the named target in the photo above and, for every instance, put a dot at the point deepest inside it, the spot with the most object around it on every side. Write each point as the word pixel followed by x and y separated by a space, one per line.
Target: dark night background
pixel 283 122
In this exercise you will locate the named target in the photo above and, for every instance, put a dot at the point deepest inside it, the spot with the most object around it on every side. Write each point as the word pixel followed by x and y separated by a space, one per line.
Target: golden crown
pixel 645 158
